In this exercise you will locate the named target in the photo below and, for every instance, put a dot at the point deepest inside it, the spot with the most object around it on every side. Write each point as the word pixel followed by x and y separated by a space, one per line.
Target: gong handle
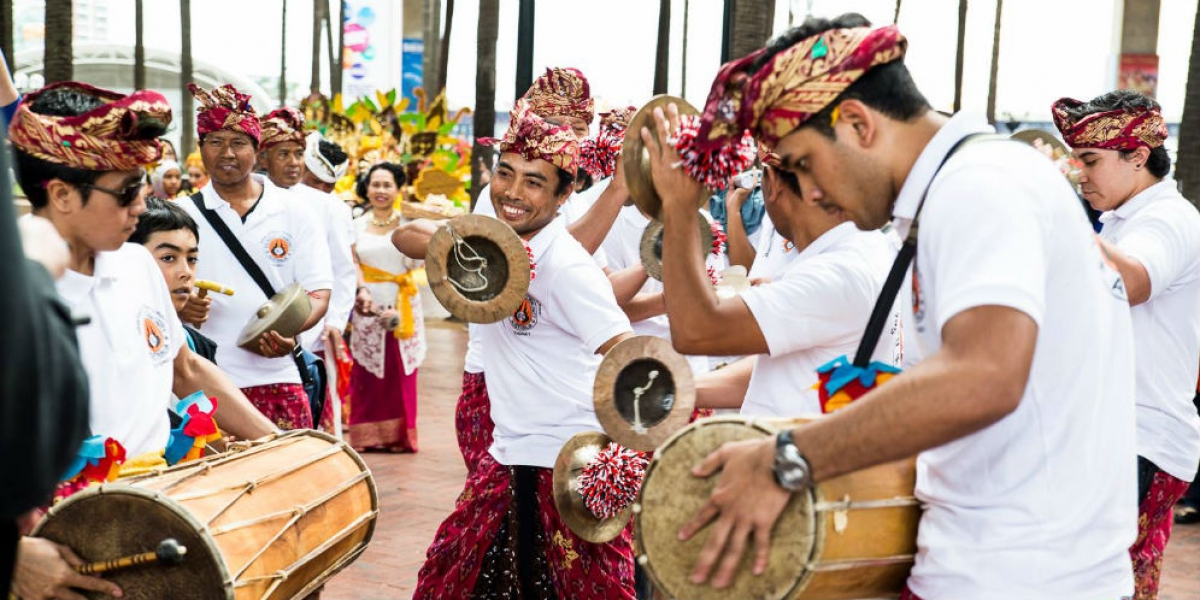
pixel 169 552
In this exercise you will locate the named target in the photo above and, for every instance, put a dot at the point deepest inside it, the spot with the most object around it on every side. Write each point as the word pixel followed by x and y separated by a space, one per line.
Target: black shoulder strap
pixel 235 246
pixel 891 286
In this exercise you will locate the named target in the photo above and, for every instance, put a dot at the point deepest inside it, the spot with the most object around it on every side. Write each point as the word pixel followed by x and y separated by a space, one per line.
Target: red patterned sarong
pixel 473 421
pixel 908 595
pixel 284 404
pixel 1154 530
pixel 578 570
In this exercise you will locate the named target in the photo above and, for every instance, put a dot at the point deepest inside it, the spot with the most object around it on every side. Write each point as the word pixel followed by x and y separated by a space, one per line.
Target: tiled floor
pixel 417 491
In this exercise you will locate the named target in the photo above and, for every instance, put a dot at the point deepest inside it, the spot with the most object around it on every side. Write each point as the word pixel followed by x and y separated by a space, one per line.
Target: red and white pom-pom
pixel 714 277
pixel 713 168
pixel 611 481
pixel 719 238
pixel 598 156
pixel 532 263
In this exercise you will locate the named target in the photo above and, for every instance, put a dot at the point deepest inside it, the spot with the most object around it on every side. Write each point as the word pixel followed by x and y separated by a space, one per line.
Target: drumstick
pixel 209 286
pixel 169 552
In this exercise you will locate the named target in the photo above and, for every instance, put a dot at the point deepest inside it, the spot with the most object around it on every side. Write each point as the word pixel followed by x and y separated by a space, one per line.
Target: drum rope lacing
pixel 637 425
pixel 464 253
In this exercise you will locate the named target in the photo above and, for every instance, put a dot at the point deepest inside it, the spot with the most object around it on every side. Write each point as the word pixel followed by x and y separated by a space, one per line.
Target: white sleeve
pixel 816 303
pixel 345 276
pixel 984 236
pixel 586 297
pixel 1166 243
pixel 313 269
pixel 483 204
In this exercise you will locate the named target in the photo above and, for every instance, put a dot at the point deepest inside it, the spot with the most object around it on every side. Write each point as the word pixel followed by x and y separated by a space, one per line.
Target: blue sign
pixel 413 69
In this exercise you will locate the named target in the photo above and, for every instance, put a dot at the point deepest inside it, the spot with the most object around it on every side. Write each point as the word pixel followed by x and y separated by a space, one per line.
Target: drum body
pixel 852 537
pixel 274 521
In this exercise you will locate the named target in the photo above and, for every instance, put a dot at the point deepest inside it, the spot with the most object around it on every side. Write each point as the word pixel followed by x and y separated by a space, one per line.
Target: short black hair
pixel 162 215
pixel 332 152
pixel 396 170
pixel 888 88
pixel 1159 163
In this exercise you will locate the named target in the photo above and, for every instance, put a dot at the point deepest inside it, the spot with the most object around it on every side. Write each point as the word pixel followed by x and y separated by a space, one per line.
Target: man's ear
pixel 857 120
pixel 60 195
pixel 1140 156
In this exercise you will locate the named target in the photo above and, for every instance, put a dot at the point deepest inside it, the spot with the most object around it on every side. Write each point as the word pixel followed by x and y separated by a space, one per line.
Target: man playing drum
pixel 815 313
pixel 1023 403
pixel 1152 234
pixel 79 155
pixel 506 538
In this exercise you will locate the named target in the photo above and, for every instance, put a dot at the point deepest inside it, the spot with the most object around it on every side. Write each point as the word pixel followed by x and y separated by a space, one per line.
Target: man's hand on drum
pixel 745 504
pixel 671 182
pixel 44 571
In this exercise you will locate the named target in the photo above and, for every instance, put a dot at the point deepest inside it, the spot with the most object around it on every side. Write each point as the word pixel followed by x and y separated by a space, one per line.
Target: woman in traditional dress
pixel 388 335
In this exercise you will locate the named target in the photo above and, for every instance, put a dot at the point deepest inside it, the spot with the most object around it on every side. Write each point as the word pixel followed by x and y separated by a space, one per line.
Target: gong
pixel 644 392
pixel 478 268
pixel 284 313
pixel 635 159
pixel 651 247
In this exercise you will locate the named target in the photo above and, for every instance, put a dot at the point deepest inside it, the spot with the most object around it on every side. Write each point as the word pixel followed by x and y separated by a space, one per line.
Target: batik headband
pixel 598 155
pixel 225 108
pixel 282 125
pixel 534 138
pixel 110 137
pixel 562 92
pixel 1119 129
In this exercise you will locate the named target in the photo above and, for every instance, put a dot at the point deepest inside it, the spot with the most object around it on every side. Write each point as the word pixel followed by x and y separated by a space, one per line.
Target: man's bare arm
pixel 1133 273
pixel 725 388
pixel 412 238
pixel 235 413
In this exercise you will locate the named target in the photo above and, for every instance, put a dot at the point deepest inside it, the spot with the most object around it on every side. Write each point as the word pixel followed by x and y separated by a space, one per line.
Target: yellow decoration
pixel 404 296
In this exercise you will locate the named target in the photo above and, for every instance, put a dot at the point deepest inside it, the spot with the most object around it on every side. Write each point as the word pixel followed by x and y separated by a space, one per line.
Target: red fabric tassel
pixel 611 481
pixel 713 168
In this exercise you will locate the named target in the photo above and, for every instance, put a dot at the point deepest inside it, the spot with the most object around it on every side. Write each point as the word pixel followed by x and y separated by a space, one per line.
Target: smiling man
pixel 1021 412
pixel 281 236
pixel 505 538
pixel 1152 234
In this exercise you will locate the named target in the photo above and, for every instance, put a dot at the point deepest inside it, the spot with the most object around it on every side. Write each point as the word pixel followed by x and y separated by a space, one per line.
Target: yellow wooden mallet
pixel 209 286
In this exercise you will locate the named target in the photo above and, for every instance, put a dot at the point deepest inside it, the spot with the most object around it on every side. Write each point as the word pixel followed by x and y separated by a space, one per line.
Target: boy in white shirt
pixel 505 536
pixel 83 172
pixel 1023 403
pixel 1152 234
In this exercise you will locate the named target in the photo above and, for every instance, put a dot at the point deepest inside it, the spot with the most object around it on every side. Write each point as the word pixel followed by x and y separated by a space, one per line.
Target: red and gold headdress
pixel 282 125
pixel 107 138
pixel 1119 129
pixel 533 138
pixel 793 85
pixel 562 92
pixel 225 108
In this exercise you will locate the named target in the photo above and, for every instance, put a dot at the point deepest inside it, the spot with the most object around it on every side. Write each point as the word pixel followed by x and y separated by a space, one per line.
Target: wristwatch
pixel 792 472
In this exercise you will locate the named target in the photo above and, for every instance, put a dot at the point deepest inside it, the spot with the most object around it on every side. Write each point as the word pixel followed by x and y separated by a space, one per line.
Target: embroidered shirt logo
pixel 152 327
pixel 525 318
pixel 278 246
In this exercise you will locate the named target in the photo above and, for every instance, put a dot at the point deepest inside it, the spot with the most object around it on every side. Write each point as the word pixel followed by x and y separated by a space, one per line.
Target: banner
pixel 413 68
pixel 372 56
pixel 1138 72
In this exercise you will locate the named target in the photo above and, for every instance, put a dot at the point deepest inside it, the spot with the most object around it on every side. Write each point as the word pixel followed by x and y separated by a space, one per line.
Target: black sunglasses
pixel 125 196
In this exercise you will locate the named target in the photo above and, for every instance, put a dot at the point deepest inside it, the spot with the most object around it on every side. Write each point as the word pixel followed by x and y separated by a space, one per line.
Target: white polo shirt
pixel 816 312
pixel 129 348
pixel 773 253
pixel 334 217
pixel 1161 230
pixel 1040 505
pixel 284 238
pixel 542 361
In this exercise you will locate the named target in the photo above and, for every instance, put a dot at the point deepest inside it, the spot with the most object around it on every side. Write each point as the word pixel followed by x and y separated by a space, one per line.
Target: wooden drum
pixel 853 537
pixel 274 521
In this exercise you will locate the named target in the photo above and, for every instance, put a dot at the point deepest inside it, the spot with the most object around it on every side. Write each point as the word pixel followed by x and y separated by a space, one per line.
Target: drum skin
pixel 273 522
pixel 852 537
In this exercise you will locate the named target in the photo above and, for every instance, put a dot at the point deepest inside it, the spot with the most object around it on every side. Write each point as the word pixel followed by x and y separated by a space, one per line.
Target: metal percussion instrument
pixel 581 449
pixel 478 268
pixel 651 247
pixel 644 392
pixel 284 313
pixel 635 159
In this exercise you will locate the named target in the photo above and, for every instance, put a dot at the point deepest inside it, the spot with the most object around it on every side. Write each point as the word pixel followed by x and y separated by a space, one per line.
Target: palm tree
pixel 752 25
pixel 661 54
pixel 283 56
pixel 958 61
pixel 336 52
pixel 6 30
pixel 60 21
pixel 683 52
pixel 991 101
pixel 139 48
pixel 319 8
pixel 444 53
pixel 1187 167
pixel 429 61
pixel 525 13
pixel 485 87
pixel 896 16
pixel 187 140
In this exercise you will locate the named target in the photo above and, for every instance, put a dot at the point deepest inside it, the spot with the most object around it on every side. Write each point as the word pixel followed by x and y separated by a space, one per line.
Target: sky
pixel 1049 48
